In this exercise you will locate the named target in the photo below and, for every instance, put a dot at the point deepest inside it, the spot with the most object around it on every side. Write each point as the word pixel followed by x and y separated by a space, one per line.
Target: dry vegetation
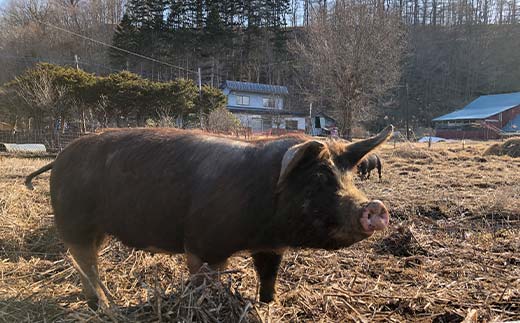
pixel 510 147
pixel 453 250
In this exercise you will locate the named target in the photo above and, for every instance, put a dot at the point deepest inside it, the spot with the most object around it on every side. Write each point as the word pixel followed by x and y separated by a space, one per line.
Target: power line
pixel 56 61
pixel 117 48
pixel 137 54
pixel 111 46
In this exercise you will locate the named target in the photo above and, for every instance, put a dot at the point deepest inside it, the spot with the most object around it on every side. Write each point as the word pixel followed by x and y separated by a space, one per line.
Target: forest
pixel 388 61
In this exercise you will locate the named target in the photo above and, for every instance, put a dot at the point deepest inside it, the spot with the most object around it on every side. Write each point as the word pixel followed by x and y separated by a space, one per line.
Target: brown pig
pixel 209 197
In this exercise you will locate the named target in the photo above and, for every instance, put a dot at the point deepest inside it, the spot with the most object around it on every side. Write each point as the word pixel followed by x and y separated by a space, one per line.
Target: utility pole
pixel 407 115
pixel 200 96
pixel 310 120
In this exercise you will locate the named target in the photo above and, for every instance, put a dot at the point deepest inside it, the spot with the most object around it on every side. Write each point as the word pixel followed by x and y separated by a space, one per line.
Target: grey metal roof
pixel 255 87
pixel 513 125
pixel 484 107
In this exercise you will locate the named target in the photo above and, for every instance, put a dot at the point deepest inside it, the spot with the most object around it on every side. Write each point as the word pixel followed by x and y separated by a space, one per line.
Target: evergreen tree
pixel 124 37
pixel 137 11
pixel 214 25
pixel 177 10
pixel 155 11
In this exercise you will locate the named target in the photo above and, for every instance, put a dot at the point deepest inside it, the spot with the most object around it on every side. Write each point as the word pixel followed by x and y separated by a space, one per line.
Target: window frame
pixel 293 122
pixel 240 99
pixel 268 100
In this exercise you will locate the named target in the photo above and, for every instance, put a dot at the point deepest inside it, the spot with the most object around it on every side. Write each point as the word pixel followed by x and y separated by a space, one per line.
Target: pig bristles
pixel 455 255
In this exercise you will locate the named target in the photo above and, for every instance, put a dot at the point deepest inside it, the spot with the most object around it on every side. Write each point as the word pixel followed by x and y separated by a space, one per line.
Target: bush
pixel 221 120
pixel 49 94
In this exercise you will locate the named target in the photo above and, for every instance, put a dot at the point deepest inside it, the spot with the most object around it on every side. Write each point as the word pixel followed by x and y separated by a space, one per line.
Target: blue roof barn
pixel 487 117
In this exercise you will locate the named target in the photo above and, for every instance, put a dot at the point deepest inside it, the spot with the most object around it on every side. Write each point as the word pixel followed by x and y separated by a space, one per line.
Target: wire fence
pixel 53 140
pixel 56 141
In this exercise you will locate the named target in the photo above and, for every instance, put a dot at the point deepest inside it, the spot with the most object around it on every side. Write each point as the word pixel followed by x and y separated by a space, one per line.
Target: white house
pixel 261 106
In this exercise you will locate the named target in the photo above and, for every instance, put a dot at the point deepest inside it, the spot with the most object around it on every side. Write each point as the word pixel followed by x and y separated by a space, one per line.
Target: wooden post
pixel 199 75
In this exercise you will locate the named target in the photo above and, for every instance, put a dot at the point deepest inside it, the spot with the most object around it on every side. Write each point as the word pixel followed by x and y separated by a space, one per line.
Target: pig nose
pixel 375 216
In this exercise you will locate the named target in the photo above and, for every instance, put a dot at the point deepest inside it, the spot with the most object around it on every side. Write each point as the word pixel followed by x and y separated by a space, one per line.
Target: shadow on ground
pixel 42 242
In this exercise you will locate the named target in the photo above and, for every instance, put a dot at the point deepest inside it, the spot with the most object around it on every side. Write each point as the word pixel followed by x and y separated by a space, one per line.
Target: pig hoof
pixel 93 304
pixel 267 298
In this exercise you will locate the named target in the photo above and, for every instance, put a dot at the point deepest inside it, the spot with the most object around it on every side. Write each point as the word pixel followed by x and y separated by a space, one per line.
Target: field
pixel 453 252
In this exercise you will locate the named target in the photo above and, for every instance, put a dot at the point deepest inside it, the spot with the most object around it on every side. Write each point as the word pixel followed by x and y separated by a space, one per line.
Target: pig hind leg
pixel 267 264
pixel 85 257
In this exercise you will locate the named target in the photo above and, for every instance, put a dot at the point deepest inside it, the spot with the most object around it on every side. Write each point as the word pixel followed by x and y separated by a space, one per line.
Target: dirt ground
pixel 452 252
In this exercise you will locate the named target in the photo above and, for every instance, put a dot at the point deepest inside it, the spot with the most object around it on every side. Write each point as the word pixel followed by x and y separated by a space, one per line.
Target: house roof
pixel 255 87
pixel 513 125
pixel 323 114
pixel 483 107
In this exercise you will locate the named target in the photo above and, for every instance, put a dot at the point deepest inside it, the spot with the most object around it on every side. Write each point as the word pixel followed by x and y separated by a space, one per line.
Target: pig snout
pixel 375 217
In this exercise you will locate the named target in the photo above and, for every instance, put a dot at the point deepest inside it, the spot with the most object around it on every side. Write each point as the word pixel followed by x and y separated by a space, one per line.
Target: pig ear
pixel 296 154
pixel 355 152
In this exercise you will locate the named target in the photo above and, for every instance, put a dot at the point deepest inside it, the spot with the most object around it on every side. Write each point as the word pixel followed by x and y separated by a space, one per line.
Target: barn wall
pixel 509 115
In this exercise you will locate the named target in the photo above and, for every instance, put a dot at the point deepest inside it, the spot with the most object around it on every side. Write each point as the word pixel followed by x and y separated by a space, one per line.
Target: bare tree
pixel 27 34
pixel 221 120
pixel 166 117
pixel 42 98
pixel 354 54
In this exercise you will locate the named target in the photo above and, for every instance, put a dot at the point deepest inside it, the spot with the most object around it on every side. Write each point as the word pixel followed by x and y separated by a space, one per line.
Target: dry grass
pixel 453 249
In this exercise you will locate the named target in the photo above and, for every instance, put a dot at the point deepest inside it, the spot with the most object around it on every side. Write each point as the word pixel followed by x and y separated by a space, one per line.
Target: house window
pixel 242 100
pixel 291 124
pixel 269 103
pixel 267 123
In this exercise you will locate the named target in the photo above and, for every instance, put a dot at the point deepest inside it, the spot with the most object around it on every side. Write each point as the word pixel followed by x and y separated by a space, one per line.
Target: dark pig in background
pixel 368 164
pixel 177 191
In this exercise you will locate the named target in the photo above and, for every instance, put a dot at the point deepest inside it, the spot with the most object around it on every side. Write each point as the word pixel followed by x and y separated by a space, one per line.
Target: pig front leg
pixel 267 264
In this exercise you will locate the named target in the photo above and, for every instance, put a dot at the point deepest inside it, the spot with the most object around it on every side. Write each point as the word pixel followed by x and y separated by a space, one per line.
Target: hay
pixel 454 254
pixel 206 297
pixel 401 243
pixel 412 152
pixel 510 147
